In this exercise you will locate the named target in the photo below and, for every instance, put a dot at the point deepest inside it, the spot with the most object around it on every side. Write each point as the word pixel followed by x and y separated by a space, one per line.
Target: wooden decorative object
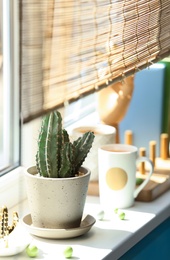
pixel 160 180
pixel 113 102
pixel 163 160
pixel 164 153
pixel 152 151
pixel 128 137
pixel 158 184
pixel 142 152
pixel 93 189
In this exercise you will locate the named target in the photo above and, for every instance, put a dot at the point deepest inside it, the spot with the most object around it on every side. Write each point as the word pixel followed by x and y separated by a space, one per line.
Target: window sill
pixel 108 239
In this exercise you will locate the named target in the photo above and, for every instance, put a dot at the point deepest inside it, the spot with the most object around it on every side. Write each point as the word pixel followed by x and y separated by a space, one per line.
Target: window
pixel 10 133
pixel 79 109
pixel 9 86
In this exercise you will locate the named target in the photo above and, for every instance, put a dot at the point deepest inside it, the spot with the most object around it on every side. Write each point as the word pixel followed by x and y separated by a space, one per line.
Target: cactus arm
pixel 82 147
pixel 55 144
pixel 49 145
pixel 65 137
pixel 41 162
pixel 66 161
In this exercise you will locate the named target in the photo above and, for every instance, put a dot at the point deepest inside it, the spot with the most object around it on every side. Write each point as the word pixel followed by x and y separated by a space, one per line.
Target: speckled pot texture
pixel 56 203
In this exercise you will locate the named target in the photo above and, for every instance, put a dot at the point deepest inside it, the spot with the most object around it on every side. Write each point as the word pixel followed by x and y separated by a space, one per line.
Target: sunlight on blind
pixel 73 48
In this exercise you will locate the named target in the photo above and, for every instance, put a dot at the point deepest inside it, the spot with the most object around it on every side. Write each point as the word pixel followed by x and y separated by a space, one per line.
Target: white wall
pixel 29 139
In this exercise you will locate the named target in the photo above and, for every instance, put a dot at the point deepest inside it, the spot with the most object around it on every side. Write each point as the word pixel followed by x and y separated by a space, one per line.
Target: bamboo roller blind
pixel 76 47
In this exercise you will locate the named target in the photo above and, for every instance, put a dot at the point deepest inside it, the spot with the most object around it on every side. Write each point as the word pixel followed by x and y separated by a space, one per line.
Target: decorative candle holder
pixel 5 228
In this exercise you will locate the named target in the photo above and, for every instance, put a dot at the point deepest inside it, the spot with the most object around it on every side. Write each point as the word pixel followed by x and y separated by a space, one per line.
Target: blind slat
pixel 74 48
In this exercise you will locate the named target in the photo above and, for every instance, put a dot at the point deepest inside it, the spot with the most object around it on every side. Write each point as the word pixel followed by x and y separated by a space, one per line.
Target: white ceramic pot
pixel 104 134
pixel 56 203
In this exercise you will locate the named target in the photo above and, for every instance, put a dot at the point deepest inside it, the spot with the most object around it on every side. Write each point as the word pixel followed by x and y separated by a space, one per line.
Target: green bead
pixel 122 215
pixel 68 252
pixel 32 251
pixel 116 210
pixel 100 215
pixel 139 181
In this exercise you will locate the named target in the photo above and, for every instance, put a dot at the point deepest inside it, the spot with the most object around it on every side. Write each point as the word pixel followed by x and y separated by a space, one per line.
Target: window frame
pixel 11 177
pixel 11 114
pixel 12 184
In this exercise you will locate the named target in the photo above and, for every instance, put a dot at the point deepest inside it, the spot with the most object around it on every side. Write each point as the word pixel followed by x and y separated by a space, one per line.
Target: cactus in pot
pixel 57 156
pixel 57 186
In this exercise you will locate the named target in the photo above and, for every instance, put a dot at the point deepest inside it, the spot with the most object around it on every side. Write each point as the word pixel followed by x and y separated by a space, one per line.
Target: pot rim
pixel 36 175
pixel 101 129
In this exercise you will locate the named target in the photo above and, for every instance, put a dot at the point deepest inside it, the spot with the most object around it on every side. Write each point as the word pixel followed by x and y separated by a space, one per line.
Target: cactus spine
pixel 57 157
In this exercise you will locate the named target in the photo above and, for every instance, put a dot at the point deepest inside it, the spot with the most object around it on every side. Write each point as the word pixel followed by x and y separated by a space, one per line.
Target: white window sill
pixel 107 239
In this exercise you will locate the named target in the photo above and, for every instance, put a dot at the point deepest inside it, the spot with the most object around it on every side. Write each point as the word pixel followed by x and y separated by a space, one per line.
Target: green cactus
pixel 57 157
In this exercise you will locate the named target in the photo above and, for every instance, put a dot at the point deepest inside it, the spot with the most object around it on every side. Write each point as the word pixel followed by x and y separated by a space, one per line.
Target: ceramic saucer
pixel 85 226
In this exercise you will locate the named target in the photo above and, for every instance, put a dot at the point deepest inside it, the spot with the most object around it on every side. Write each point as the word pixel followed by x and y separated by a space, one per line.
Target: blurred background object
pixel 113 102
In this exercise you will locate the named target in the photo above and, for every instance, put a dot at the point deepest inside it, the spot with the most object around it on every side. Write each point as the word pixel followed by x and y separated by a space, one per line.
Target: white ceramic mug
pixel 117 175
pixel 104 134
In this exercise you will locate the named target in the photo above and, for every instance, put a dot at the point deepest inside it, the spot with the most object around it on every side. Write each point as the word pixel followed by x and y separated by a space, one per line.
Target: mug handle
pixel 142 185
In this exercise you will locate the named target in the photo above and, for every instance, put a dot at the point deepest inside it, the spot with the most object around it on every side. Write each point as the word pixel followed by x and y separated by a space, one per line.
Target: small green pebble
pixel 32 250
pixel 139 181
pixel 68 252
pixel 122 215
pixel 116 210
pixel 100 215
